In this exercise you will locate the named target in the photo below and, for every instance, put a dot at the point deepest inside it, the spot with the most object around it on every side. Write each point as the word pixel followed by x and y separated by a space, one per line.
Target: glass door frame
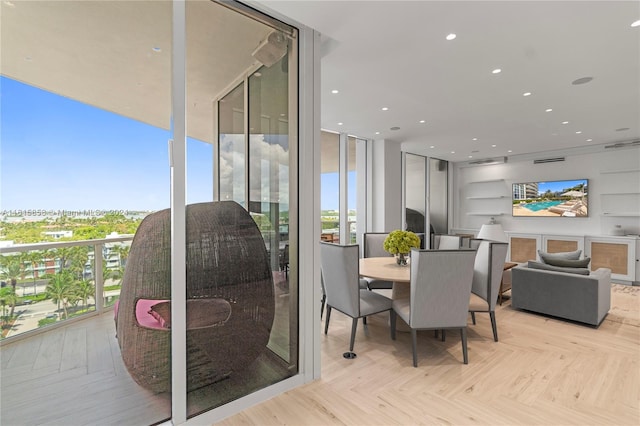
pixel 305 179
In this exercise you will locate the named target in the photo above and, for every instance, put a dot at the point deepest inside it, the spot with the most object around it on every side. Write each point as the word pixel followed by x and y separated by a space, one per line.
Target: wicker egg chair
pixel 230 296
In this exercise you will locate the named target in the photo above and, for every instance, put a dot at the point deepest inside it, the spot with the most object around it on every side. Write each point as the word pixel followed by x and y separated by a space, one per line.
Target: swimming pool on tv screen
pixel 541 205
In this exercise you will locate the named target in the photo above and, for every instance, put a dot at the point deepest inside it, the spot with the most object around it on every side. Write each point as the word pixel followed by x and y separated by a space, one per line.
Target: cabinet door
pixel 524 247
pixel 617 254
pixel 562 243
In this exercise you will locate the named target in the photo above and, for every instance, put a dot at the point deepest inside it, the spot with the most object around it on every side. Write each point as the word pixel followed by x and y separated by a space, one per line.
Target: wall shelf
pixel 487 181
pixel 484 214
pixel 606 172
pixel 621 214
pixel 488 197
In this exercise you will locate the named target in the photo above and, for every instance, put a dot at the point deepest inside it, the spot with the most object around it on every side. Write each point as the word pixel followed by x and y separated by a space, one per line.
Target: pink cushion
pixel 144 318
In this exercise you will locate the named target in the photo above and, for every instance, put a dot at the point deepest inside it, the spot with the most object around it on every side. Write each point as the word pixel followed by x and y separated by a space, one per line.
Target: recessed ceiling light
pixel 493 146
pixel 385 109
pixel 475 151
pixel 582 80
pixel 578 132
pixel 589 140
pixel 451 36
pixel 548 110
pixel 565 122
pixel 283 114
pixel 377 133
pixel 636 23
pixel 622 129
pixel 432 147
pixel 257 74
pixel 509 151
pixel 453 152
pixel 470 156
pixel 474 139
pixel 497 71
pixel 526 94
pixel 395 128
pixel 334 91
pixel 156 49
pixel 340 124
pixel 421 121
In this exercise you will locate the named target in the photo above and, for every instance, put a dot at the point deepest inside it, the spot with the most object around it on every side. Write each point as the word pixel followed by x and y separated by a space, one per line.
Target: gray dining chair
pixel 439 296
pixel 343 287
pixel 373 246
pixel 446 242
pixel 487 274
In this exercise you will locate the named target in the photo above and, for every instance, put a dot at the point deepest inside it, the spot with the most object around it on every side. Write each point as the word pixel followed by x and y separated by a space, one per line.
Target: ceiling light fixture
pixel 377 133
pixel 496 71
pixel 526 94
pixel 453 152
pixel 589 140
pixel 565 122
pixel 385 109
pixel 470 156
pixel 340 124
pixel 548 110
pixel 636 23
pixel 493 146
pixel 451 36
pixel 432 147
pixel 582 80
pixel 474 139
pixel 257 74
pixel 509 151
pixel 578 132
pixel 395 128
pixel 421 121
pixel 334 91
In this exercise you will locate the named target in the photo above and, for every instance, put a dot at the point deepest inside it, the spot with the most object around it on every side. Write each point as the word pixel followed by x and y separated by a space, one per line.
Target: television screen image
pixel 560 198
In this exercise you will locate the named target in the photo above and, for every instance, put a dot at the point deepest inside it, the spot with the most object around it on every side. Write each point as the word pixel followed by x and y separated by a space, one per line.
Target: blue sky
pixel 558 186
pixel 57 153
pixel 60 154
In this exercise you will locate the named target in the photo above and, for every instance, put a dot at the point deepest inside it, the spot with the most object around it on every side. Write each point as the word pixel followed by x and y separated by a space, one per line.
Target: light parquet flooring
pixel 543 371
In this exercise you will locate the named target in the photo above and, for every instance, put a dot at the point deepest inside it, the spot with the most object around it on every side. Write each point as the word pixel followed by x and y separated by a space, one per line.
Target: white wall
pixel 578 166
pixel 387 189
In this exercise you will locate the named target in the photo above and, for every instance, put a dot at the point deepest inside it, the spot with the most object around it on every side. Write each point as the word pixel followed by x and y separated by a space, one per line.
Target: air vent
pixel 623 144
pixel 499 160
pixel 548 160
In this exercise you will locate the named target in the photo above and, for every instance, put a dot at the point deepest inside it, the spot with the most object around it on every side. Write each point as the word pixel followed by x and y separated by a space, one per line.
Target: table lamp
pixel 492 231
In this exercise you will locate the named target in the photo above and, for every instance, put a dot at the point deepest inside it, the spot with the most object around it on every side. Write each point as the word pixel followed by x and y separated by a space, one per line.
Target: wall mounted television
pixel 558 198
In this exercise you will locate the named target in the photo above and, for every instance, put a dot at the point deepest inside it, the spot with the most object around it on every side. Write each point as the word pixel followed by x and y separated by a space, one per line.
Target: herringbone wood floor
pixel 543 371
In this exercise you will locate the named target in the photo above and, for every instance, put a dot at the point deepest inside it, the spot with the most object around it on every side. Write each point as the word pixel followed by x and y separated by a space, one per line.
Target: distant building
pixel 59 234
pixel 525 191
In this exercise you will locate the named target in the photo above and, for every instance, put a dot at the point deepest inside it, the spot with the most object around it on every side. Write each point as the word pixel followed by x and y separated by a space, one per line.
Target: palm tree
pixel 61 289
pixel 35 258
pixel 85 289
pixel 11 270
pixel 8 297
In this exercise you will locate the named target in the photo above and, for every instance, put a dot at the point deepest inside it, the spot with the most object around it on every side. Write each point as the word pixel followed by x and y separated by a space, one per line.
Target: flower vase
pixel 401 259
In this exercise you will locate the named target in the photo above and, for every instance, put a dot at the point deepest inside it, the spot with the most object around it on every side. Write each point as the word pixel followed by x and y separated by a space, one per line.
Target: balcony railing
pixel 30 311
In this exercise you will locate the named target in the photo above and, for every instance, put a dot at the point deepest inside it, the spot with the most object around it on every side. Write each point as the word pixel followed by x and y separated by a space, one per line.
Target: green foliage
pixel 46 321
pixel 400 241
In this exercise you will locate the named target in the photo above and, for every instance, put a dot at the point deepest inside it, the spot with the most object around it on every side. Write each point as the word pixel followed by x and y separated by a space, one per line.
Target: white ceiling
pixel 376 53
pixel 394 54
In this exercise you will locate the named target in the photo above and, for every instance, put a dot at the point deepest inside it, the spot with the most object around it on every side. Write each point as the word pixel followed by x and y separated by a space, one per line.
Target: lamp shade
pixel 493 232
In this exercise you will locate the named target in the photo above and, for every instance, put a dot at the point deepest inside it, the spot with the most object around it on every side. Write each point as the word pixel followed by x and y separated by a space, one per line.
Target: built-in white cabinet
pixel 620 254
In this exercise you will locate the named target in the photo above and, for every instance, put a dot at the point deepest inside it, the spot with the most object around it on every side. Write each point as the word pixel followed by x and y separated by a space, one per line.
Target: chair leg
pixel 473 317
pixel 364 320
pixel 414 345
pixel 494 326
pixel 322 303
pixel 326 321
pixel 463 335
pixel 354 327
pixel 436 333
pixel 443 334
pixel 392 324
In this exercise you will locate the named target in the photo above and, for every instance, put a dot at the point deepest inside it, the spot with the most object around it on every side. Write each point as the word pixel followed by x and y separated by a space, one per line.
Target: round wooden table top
pixel 384 268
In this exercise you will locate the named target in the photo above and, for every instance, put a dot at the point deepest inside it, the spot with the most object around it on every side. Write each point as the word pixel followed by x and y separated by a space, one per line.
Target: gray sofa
pixel 583 298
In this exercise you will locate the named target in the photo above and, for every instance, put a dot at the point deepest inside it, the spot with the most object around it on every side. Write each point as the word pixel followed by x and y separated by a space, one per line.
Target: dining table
pixel 387 269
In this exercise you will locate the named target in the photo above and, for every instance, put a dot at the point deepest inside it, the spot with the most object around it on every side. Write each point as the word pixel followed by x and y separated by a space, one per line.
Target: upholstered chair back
pixel 373 244
pixel 340 273
pixel 446 242
pixel 488 268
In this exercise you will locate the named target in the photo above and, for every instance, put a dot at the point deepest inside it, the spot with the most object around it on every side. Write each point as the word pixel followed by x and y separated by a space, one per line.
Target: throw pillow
pixel 162 313
pixel 569 255
pixel 581 263
pixel 547 267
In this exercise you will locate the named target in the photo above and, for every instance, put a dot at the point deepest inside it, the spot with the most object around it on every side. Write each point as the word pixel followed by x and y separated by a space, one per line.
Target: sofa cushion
pixel 568 255
pixel 568 263
pixel 547 267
